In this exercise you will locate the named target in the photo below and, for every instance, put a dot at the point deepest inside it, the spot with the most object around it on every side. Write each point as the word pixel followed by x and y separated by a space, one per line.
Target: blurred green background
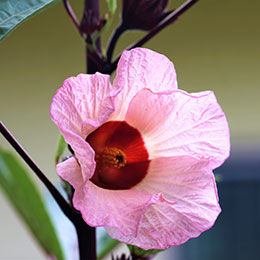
pixel 214 46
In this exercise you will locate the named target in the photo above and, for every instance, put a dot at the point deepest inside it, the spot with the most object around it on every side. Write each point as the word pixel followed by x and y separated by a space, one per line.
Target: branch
pixel 112 44
pixel 65 207
pixel 172 17
pixel 86 239
pixel 95 59
pixel 92 7
pixel 72 15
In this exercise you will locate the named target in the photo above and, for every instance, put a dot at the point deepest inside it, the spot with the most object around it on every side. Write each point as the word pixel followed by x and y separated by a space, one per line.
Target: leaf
pixel 137 251
pixel 112 5
pixel 61 146
pixel 218 178
pixel 64 227
pixel 28 202
pixel 13 12
pixel 105 244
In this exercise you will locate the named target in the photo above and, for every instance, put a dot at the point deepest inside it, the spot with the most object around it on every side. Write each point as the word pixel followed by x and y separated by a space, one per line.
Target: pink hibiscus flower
pixel 144 151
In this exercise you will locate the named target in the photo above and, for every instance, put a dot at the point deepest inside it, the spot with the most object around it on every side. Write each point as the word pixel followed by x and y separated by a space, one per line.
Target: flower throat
pixel 120 154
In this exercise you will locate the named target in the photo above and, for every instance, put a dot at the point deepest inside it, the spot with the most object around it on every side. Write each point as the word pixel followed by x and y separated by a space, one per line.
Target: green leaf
pixel 61 146
pixel 137 251
pixel 107 244
pixel 112 5
pixel 27 201
pixel 13 12
pixel 218 178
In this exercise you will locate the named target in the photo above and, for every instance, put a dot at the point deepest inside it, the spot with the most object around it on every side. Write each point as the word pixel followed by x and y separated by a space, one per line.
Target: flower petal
pixel 70 171
pixel 120 209
pixel 184 203
pixel 83 151
pixel 141 68
pixel 181 124
pixel 185 179
pixel 83 99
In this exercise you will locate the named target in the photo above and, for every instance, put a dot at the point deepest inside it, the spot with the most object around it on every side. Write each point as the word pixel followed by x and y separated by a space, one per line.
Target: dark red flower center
pixel 121 157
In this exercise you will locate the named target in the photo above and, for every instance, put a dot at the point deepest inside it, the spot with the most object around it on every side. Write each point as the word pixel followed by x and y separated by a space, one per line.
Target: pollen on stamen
pixel 113 157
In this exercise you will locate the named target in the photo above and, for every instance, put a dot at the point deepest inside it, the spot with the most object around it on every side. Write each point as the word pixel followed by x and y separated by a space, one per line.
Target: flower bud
pixel 91 23
pixel 143 14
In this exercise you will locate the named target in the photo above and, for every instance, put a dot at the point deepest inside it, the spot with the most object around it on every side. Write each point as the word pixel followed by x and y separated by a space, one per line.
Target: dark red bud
pixel 143 14
pixel 90 23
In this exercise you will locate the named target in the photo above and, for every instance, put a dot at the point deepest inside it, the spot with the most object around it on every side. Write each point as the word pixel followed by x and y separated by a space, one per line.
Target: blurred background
pixel 214 46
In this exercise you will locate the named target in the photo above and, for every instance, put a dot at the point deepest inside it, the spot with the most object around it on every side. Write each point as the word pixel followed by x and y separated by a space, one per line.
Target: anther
pixel 113 157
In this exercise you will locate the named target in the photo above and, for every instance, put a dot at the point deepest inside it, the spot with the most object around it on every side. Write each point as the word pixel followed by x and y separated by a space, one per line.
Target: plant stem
pixel 95 60
pixel 92 7
pixel 86 234
pixel 86 239
pixel 172 17
pixel 71 14
pixel 112 44
pixel 65 207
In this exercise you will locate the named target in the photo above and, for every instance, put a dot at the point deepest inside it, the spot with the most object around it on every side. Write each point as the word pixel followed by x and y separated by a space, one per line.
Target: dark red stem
pixel 86 234
pixel 93 58
pixel 172 17
pixel 72 15
pixel 112 44
pixel 65 207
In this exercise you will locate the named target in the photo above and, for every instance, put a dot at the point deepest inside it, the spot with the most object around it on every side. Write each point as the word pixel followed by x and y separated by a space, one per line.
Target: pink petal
pixel 83 151
pixel 184 203
pixel 141 68
pixel 181 124
pixel 70 171
pixel 120 209
pixel 82 100
pixel 187 181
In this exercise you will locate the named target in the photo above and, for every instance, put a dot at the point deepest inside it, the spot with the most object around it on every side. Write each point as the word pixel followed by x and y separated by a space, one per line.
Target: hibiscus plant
pixel 142 151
